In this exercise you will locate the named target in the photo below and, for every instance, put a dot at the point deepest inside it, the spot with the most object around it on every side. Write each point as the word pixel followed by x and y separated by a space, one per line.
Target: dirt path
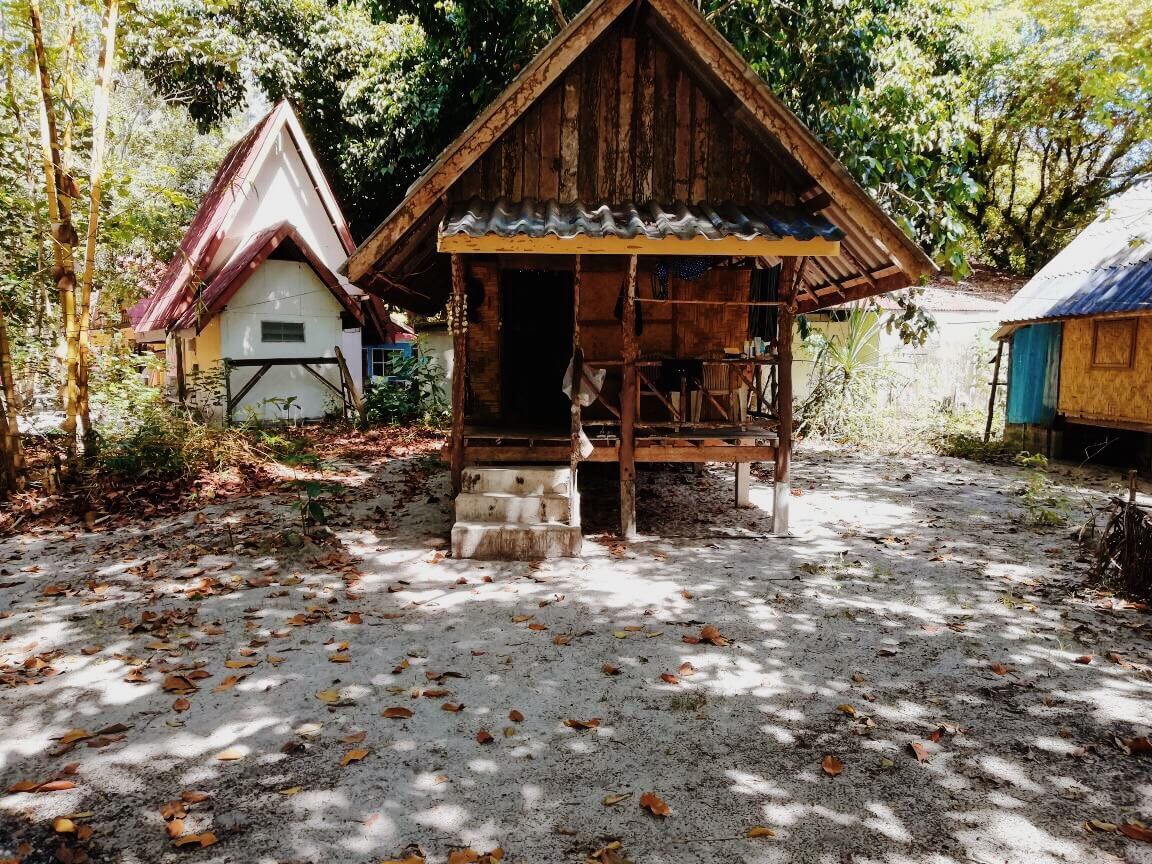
pixel 908 610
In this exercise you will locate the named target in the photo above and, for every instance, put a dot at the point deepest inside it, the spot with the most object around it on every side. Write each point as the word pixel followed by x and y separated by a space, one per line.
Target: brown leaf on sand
pixel 669 678
pixel 590 723
pixel 463 856
pixel 1138 745
pixel 654 804
pixel 201 840
pixel 759 831
pixel 436 693
pixel 609 669
pixel 178 684
pixel 1084 659
pixel 230 755
pixel 452 706
pixel 193 796
pixel 515 716
pixel 831 765
pixel 687 669
pixel 354 756
pixel 999 668
pixel 181 704
pixel 1134 831
pixel 919 751
pixel 483 737
pixel 228 683
pixel 615 798
pixel 711 634
pixel 396 713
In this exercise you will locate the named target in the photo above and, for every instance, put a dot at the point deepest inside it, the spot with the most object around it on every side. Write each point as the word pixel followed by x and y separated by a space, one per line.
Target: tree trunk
pixel 100 100
pixel 59 189
pixel 10 444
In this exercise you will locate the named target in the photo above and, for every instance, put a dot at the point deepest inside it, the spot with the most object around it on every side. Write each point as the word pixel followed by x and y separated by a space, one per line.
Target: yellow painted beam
pixel 581 244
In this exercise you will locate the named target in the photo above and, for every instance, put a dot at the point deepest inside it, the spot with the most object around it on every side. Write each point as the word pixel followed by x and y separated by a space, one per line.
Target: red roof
pixel 178 285
pixel 246 262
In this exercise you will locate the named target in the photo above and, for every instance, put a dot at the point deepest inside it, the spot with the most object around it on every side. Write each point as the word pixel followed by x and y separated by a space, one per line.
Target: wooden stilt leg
pixel 458 322
pixel 577 380
pixel 744 478
pixel 628 409
pixel 782 475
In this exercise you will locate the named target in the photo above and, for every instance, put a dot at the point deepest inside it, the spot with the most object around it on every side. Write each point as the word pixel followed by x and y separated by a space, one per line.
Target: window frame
pixel 1132 325
pixel 264 333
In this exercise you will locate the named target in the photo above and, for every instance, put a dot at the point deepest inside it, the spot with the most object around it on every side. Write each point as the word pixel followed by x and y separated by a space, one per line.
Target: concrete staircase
pixel 515 514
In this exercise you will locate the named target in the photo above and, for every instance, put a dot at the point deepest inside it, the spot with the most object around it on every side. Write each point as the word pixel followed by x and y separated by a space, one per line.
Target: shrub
pixel 163 445
pixel 411 392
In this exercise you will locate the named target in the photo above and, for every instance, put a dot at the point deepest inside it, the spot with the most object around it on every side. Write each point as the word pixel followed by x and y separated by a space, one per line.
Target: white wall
pixel 285 291
pixel 437 345
pixel 281 191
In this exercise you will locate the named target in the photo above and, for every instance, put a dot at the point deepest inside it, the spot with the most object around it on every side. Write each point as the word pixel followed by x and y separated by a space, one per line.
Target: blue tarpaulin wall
pixel 1034 376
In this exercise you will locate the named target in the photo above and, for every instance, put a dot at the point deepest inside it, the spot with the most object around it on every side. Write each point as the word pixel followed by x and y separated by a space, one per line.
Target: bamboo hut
pixel 1079 335
pixel 637 215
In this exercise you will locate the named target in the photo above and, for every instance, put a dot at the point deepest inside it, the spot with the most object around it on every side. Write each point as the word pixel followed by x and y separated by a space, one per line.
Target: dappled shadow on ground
pixel 908 609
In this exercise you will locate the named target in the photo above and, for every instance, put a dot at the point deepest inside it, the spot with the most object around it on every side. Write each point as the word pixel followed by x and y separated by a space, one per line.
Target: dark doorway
pixel 537 345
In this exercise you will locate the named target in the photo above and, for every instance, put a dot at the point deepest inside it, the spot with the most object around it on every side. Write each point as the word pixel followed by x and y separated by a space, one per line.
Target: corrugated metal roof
pixel 1106 268
pixel 535 218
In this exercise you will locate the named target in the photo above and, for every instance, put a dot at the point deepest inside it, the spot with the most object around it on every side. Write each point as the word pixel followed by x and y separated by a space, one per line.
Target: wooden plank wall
pixel 670 330
pixel 1100 392
pixel 628 122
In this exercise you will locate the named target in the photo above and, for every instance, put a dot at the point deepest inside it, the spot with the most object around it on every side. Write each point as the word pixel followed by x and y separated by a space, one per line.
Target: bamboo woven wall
pixel 1106 393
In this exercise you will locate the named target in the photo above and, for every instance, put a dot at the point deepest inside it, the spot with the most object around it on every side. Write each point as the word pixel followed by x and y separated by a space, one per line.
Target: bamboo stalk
pixel 100 103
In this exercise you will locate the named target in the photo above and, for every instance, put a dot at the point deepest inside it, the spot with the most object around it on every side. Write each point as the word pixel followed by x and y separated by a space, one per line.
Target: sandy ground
pixel 886 621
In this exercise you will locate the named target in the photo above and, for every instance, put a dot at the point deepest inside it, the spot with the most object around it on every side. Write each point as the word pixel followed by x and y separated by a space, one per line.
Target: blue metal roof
pixel 1106 268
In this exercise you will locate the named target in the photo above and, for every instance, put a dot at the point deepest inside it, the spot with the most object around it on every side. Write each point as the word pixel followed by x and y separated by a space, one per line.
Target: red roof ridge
pixel 176 291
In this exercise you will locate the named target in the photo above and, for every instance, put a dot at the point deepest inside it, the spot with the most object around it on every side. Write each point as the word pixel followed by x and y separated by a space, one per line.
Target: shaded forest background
pixel 989 129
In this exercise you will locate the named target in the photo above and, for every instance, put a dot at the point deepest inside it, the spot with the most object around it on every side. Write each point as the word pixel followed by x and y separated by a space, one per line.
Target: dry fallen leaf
pixel 591 723
pixel 178 684
pixel 609 669
pixel 452 706
pixel 397 713
pixel 846 709
pixel 202 840
pixel 614 799
pixel 194 797
pixel 354 756
pixel 483 737
pixel 181 704
pixel 999 668
pixel 515 716
pixel 831 765
pixel 760 831
pixel 1135 831
pixel 239 664
pixel 920 752
pixel 1084 659
pixel 228 683
pixel 230 755
pixel 63 825
pixel 669 678
pixel 463 856
pixel 653 803
pixel 687 669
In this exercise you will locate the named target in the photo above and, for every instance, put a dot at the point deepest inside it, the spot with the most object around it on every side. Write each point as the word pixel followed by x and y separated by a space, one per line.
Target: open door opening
pixel 537 345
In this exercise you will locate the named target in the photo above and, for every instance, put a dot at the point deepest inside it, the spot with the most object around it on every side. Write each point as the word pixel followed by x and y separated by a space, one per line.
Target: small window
pixel 281 331
pixel 1114 343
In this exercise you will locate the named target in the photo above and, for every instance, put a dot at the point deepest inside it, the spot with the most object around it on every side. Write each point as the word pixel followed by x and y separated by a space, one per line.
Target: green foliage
pixel 119 389
pixel 1062 100
pixel 162 444
pixel 845 382
pixel 412 391
pixel 1044 505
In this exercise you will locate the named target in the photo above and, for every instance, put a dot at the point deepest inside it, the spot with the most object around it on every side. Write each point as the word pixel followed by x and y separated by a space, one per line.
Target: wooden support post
pixel 227 363
pixel 744 478
pixel 628 409
pixel 181 386
pixel 577 384
pixel 782 473
pixel 458 321
pixel 992 393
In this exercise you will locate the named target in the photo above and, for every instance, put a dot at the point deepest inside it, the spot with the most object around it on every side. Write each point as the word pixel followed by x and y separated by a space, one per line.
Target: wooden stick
pixel 992 393
pixel 459 306
pixel 577 383
pixel 628 409
pixel 781 475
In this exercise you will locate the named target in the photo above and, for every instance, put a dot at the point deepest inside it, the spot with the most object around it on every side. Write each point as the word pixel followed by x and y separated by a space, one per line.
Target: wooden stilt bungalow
pixel 672 315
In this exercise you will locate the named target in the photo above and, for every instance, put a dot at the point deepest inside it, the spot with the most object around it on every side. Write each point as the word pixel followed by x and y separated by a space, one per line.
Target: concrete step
pixel 514 542
pixel 525 480
pixel 511 507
